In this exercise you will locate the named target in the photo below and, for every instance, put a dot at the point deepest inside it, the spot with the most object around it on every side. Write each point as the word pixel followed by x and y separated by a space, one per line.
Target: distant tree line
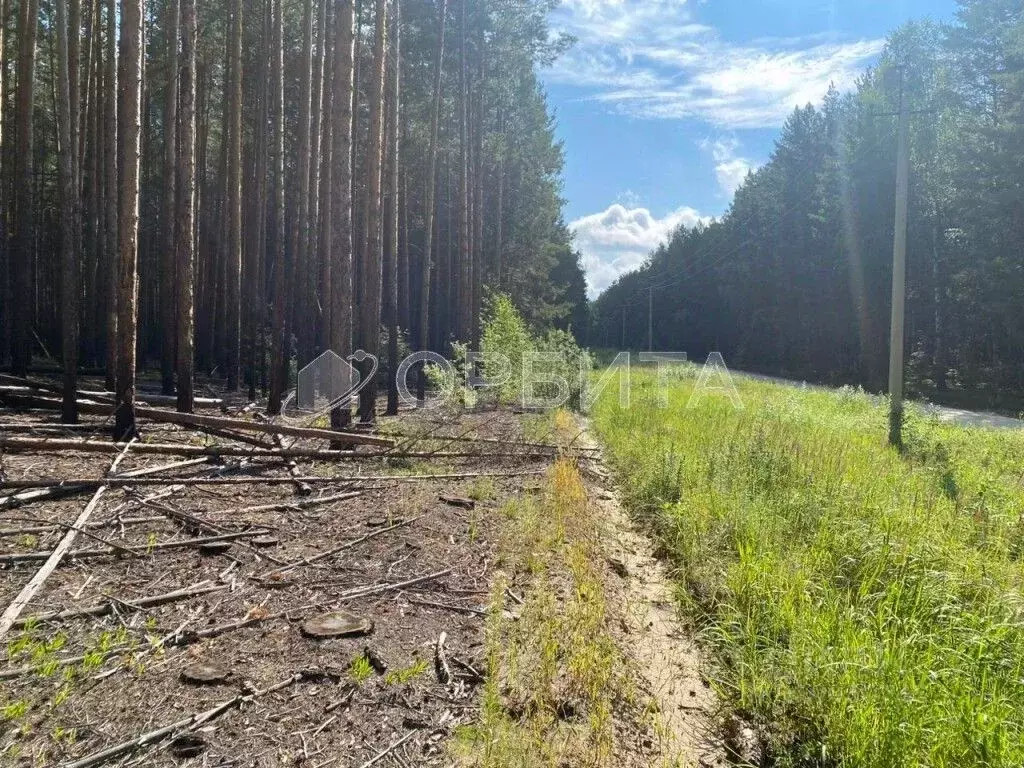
pixel 795 278
pixel 234 186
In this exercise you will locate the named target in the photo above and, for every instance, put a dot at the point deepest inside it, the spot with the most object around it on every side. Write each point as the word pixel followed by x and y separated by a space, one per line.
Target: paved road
pixel 945 413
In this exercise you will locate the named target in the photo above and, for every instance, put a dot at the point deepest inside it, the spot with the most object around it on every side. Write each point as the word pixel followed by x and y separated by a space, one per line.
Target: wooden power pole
pixel 899 273
pixel 650 319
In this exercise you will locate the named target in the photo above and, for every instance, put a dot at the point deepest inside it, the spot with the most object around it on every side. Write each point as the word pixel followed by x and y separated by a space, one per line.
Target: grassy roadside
pixel 557 683
pixel 864 605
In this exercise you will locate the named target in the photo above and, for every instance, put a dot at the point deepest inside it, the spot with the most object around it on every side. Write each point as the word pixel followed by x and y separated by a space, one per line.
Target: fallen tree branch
pixel 102 609
pixel 102 397
pixel 184 725
pixel 91 525
pixel 84 482
pixel 162 416
pixel 285 505
pixel 388 750
pixel 376 589
pixel 57 488
pixel 182 449
pixel 82 554
pixel 331 552
pixel 53 559
pixel 444 672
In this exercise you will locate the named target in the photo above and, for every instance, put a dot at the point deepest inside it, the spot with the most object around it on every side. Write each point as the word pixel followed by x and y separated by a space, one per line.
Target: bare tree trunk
pixel 168 248
pixel 5 269
pixel 499 213
pixel 74 27
pixel 323 231
pixel 404 299
pixel 394 110
pixel 23 256
pixel 92 145
pixel 255 232
pixel 67 157
pixel 372 257
pixel 233 203
pixel 340 252
pixel 478 195
pixel 277 357
pixel 300 226
pixel 313 266
pixel 186 256
pixel 85 71
pixel 111 240
pixel 428 205
pixel 128 215
pixel 464 302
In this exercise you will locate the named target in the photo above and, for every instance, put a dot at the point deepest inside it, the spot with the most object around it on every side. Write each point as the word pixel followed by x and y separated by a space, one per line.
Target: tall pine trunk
pixel 322 233
pixel 478 195
pixel 23 256
pixel 130 128
pixel 428 205
pixel 233 204
pixel 111 241
pixel 186 210
pixel 370 306
pixel 277 357
pixel 168 248
pixel 70 233
pixel 464 302
pixel 5 288
pixel 304 288
pixel 394 115
pixel 340 251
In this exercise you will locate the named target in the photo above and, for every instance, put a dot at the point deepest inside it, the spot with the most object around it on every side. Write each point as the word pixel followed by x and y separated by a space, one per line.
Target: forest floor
pixel 493 606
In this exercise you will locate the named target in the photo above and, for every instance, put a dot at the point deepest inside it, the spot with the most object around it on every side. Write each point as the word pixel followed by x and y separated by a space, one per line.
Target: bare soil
pixel 413 565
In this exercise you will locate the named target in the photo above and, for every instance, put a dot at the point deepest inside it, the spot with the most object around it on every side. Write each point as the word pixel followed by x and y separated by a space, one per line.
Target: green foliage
pixel 795 278
pixel 360 669
pixel 864 604
pixel 510 350
pixel 402 676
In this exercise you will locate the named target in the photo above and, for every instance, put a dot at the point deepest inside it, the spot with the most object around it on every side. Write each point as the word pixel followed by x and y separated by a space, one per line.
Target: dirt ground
pixel 175 632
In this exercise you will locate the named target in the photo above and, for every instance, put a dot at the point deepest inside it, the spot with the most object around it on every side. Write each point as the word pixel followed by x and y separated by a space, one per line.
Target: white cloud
pixel 618 239
pixel 730 168
pixel 651 60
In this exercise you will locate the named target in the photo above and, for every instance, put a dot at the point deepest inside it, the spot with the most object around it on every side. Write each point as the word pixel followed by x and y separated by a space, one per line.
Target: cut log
pixel 195 420
pixel 337 624
pixel 127 479
pixel 181 449
pixel 205 674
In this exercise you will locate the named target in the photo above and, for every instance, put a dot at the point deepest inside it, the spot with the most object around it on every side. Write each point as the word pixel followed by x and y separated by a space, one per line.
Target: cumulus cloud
pixel 619 238
pixel 652 60
pixel 730 168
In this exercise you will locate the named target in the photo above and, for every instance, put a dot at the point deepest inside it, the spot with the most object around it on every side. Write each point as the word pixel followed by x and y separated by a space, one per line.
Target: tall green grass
pixel 865 606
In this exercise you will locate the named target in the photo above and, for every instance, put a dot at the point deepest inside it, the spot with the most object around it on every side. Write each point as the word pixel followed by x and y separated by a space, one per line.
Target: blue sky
pixel 664 105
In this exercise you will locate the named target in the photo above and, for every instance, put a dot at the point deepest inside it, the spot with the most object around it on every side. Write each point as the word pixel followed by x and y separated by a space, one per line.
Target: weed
pixel 14 711
pixel 863 603
pixel 402 676
pixel 482 489
pixel 550 681
pixel 360 669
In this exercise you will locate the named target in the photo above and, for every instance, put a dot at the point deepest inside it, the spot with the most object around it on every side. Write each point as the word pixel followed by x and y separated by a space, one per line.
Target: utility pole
pixel 899 273
pixel 650 319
